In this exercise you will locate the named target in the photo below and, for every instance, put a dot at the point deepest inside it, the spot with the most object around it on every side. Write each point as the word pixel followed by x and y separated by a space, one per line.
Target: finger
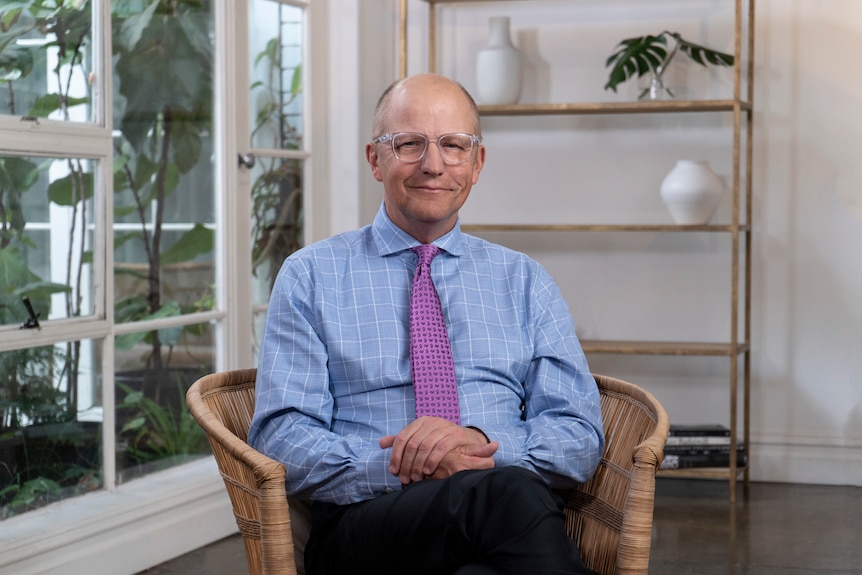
pixel 461 439
pixel 417 449
pixel 398 443
pixel 435 445
pixel 404 448
pixel 456 461
pixel 386 441
pixel 487 450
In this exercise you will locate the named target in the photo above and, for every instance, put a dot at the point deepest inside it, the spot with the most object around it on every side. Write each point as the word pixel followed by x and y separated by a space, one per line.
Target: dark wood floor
pixel 777 529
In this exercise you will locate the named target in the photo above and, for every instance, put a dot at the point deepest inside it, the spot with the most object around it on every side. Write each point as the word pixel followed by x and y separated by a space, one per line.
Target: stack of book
pixel 706 445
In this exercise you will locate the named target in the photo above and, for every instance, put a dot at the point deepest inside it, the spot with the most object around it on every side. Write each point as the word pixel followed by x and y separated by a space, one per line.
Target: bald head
pixel 429 83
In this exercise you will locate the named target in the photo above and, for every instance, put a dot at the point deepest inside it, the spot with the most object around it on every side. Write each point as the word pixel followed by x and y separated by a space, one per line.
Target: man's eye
pixel 409 144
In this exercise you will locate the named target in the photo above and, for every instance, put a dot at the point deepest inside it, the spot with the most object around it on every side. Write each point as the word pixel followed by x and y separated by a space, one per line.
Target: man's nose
pixel 432 161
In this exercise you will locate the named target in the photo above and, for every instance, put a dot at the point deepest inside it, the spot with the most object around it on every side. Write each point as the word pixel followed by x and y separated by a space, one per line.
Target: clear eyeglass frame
pixel 445 153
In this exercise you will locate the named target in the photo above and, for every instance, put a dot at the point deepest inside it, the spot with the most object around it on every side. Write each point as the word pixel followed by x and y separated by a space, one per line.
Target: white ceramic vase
pixel 691 191
pixel 499 70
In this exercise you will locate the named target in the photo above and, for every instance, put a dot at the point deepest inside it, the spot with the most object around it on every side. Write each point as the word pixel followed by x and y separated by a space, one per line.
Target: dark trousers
pixel 495 521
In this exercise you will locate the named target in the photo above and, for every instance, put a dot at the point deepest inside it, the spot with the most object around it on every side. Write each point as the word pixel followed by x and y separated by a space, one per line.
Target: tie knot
pixel 426 253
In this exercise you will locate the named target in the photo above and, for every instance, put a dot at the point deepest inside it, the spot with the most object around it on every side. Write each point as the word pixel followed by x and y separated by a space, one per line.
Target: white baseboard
pixel 806 462
pixel 142 524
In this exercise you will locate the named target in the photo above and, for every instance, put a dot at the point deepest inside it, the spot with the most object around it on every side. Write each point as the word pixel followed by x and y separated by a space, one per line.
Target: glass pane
pixel 163 165
pixel 275 47
pixel 46 60
pixel 277 219
pixel 154 427
pixel 50 427
pixel 46 239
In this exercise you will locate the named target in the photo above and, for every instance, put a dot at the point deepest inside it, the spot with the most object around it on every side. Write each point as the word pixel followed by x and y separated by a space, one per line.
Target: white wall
pixel 808 295
pixel 807 282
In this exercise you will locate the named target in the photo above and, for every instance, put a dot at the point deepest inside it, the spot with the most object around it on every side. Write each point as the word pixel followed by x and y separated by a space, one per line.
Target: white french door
pixel 267 153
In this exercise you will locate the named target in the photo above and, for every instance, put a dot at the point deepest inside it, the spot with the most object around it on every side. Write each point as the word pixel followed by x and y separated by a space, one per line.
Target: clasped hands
pixel 434 448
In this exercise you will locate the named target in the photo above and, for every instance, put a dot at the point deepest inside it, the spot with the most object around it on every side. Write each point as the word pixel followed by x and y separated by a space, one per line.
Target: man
pixel 390 491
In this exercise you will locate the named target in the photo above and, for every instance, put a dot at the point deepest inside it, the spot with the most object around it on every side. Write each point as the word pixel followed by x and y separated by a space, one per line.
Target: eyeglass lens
pixel 454 148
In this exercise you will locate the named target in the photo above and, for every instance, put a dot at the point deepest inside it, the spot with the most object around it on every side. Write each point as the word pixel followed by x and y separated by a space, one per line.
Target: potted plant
pixel 650 55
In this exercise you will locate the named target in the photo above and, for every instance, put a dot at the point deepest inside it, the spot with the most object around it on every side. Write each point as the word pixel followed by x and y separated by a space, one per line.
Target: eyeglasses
pixel 410 147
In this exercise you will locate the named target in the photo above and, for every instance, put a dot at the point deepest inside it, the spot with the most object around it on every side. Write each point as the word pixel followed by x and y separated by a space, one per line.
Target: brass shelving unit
pixel 737 349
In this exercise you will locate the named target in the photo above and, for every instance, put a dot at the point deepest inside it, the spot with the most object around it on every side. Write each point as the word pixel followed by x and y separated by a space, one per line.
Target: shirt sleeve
pixel 560 435
pixel 294 405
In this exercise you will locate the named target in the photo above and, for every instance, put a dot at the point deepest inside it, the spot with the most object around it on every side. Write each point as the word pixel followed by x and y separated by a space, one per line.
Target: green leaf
pixel 144 171
pixel 135 309
pixel 130 309
pixel 133 27
pixel 17 174
pixel 41 289
pixel 65 191
pixel 15 61
pixel 701 54
pixel 296 81
pixel 133 424
pixel 635 56
pixel 127 341
pixel 13 269
pixel 49 103
pixel 186 144
pixel 197 241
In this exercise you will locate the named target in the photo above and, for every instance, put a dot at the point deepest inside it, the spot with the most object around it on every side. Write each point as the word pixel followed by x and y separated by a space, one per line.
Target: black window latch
pixel 33 321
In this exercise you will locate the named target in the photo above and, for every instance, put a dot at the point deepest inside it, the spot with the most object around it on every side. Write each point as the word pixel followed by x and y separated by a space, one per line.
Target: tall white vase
pixel 499 70
pixel 691 191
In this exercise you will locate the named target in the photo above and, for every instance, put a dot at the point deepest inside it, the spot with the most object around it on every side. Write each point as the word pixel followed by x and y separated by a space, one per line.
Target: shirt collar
pixel 390 239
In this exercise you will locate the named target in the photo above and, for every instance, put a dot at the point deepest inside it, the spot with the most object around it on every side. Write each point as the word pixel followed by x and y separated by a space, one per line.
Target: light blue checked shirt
pixel 334 368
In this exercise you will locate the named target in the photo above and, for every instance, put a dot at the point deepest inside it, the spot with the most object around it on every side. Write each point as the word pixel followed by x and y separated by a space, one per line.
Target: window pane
pixel 164 168
pixel 50 427
pixel 46 60
pixel 277 219
pixel 154 427
pixel 276 35
pixel 46 238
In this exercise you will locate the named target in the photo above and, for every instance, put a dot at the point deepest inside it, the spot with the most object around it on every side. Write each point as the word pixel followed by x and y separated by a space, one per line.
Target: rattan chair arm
pixel 265 468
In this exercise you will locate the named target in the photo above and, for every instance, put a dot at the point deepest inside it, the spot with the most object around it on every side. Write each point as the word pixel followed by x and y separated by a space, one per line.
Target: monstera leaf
pixel 650 55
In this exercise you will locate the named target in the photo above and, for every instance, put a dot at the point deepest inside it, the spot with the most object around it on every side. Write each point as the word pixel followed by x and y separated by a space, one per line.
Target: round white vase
pixel 499 70
pixel 691 191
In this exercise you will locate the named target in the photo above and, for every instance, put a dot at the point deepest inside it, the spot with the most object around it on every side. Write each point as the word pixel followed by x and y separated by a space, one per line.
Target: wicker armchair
pixel 610 517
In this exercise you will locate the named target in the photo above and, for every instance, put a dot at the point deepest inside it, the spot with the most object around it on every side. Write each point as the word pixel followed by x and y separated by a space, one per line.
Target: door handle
pixel 246 160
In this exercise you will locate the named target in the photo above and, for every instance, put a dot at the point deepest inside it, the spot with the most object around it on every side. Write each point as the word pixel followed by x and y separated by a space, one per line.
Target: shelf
pixel 663 347
pixel 465 1
pixel 600 228
pixel 701 472
pixel 592 108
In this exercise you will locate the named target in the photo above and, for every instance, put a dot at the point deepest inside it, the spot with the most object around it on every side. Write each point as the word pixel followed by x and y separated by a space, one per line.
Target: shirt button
pixel 388 490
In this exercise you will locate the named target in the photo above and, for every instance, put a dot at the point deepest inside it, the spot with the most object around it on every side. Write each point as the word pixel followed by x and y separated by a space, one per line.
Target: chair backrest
pixel 610 516
pixel 223 404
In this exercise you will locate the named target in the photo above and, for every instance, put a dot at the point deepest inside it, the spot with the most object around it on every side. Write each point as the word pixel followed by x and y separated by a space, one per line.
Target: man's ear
pixel 373 161
pixel 480 162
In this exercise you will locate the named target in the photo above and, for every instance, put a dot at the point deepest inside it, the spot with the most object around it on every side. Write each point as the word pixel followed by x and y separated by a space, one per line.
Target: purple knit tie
pixel 431 361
